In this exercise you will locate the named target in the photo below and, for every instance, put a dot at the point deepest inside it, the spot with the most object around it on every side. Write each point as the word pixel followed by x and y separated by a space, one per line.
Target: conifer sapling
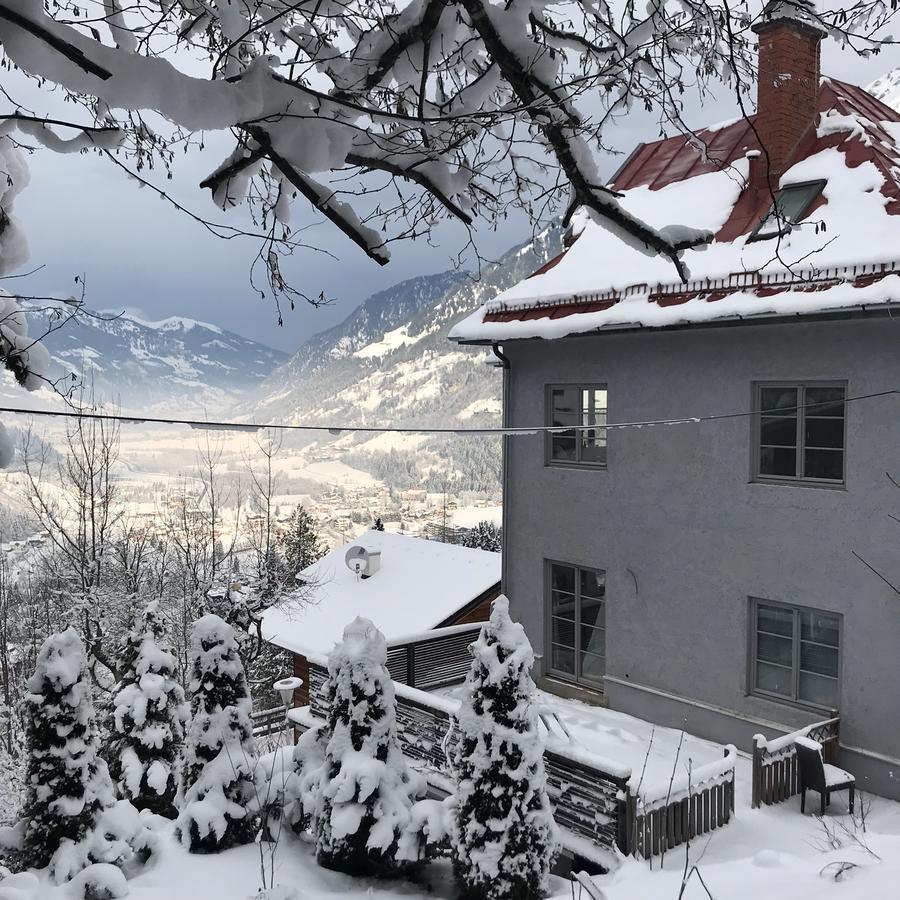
pixel 219 809
pixel 365 790
pixel 504 838
pixel 149 716
pixel 67 784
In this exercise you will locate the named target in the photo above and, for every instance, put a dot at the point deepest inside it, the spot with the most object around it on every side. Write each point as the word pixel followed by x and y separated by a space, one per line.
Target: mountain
pixel 390 363
pixel 177 363
pixel 887 89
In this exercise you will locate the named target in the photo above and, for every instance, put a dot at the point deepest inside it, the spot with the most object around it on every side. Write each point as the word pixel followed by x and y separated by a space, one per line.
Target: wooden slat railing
pixel 691 806
pixel 774 767
pixel 267 722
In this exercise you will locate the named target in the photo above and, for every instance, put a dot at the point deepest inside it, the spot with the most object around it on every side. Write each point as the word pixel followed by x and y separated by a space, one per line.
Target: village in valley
pixel 475 474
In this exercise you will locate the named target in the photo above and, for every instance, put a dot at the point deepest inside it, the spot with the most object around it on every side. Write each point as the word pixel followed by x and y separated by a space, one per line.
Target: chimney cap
pixel 799 13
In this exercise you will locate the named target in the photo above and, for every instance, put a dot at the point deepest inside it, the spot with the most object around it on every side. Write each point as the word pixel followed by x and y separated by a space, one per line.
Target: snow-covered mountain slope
pixel 177 363
pixel 390 363
pixel 887 89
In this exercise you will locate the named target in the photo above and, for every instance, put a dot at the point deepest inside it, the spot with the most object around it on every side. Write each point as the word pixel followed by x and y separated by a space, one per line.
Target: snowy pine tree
pixel 219 751
pixel 365 790
pixel 67 784
pixel 484 536
pixel 299 542
pixel 504 837
pixel 149 715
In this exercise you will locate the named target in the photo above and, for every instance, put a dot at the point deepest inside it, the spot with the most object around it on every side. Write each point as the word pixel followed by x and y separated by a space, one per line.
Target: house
pixel 416 587
pixel 734 571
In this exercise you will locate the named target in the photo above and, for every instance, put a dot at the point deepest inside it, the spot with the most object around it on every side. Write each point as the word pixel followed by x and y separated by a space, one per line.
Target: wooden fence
pixel 774 767
pixel 689 807
pixel 593 803
pixel 267 722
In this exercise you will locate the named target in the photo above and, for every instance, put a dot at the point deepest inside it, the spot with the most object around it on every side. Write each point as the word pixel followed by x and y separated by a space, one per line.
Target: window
pixel 577 622
pixel 583 405
pixel 791 205
pixel 800 434
pixel 796 654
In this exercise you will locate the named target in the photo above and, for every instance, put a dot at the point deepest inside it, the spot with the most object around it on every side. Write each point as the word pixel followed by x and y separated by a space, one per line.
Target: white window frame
pixel 578 462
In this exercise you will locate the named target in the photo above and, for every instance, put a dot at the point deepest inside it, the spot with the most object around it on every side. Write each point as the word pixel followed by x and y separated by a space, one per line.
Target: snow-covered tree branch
pixel 387 117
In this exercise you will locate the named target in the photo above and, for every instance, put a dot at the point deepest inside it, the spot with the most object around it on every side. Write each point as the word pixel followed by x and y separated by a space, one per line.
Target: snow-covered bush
pixel 100 881
pixel 303 785
pixel 361 796
pixel 219 808
pixel 504 837
pixel 121 838
pixel 67 784
pixel 149 716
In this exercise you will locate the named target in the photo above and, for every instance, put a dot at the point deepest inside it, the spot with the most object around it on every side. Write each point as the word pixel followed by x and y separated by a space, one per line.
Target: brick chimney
pixel 788 82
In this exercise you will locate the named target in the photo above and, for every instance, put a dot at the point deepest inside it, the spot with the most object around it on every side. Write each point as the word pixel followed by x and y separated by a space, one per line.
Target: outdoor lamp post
pixel 286 688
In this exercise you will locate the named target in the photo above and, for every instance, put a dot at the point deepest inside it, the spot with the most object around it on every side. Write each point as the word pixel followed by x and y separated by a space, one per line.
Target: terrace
pixel 618 784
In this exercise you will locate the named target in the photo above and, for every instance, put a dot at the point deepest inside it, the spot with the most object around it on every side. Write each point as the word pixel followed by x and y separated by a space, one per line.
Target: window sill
pixel 800 483
pixel 829 711
pixel 591 467
pixel 595 686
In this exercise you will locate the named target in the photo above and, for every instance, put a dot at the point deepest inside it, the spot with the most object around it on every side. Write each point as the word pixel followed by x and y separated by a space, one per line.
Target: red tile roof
pixel 674 159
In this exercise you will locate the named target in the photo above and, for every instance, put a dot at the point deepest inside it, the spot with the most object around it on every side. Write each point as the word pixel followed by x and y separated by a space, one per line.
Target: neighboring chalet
pixel 413 587
pixel 734 572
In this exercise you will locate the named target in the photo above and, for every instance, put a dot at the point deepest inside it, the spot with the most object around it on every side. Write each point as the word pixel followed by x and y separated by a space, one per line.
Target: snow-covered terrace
pixel 656 756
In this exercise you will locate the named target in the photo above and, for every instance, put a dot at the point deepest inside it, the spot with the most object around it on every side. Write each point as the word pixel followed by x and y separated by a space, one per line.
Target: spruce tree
pixel 219 752
pixel 149 715
pixel 484 536
pixel 504 837
pixel 67 784
pixel 365 789
pixel 299 542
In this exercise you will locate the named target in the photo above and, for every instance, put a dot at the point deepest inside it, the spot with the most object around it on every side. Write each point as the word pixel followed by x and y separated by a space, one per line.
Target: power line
pixel 208 425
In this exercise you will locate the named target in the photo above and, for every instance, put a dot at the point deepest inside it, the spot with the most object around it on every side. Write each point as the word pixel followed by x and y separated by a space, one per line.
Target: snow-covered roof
pixel 845 255
pixel 419 585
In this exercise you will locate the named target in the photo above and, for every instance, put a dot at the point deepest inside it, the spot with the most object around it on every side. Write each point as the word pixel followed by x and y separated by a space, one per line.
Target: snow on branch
pixel 470 108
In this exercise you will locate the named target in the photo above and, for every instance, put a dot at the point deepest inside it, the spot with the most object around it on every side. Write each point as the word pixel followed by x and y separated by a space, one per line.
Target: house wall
pixel 301 670
pixel 686 537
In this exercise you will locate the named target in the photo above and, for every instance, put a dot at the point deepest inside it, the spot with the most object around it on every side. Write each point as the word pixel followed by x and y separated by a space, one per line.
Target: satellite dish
pixel 362 561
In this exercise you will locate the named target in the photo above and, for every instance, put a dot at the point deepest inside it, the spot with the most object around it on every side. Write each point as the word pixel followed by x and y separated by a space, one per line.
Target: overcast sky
pixel 84 216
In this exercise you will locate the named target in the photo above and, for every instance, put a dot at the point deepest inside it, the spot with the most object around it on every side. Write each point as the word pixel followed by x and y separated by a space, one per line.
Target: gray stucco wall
pixel 686 537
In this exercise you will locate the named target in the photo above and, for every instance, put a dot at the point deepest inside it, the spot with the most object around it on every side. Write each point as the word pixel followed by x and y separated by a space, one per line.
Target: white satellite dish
pixel 362 561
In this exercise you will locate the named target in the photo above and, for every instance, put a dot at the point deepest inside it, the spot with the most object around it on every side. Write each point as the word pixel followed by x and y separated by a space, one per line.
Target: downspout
pixel 504 481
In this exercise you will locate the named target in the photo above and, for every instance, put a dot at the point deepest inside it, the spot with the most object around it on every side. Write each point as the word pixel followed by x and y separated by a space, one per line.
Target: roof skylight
pixel 791 205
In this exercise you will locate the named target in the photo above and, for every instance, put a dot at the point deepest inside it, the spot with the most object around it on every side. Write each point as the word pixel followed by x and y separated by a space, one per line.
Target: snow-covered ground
pixel 776 854
pixel 773 853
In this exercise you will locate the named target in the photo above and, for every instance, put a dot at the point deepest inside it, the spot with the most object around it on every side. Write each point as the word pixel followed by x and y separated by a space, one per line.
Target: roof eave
pixel 856 312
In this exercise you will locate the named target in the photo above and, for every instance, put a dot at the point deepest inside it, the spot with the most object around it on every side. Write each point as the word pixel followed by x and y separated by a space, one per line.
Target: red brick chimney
pixel 788 82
